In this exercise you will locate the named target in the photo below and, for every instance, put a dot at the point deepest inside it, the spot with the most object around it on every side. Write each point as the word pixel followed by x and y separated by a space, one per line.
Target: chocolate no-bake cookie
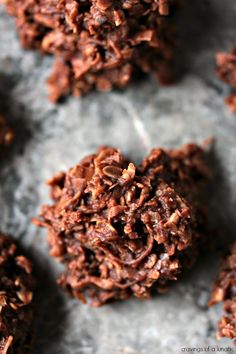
pixel 6 135
pixel 224 289
pixel 122 229
pixel 226 70
pixel 16 293
pixel 97 43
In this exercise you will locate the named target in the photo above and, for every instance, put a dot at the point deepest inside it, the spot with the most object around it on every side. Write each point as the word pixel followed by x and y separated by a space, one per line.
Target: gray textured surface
pixel 52 138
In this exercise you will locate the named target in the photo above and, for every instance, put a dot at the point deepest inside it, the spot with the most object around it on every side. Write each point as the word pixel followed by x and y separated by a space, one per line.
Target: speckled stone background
pixel 51 138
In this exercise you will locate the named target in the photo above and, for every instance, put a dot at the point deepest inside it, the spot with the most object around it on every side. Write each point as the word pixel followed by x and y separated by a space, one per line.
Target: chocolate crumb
pixel 6 134
pixel 98 43
pixel 16 294
pixel 122 229
pixel 224 290
pixel 226 70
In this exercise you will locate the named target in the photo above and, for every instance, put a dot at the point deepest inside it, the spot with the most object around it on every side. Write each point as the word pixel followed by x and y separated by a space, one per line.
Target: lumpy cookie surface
pixel 16 294
pixel 98 43
pixel 226 70
pixel 224 290
pixel 122 229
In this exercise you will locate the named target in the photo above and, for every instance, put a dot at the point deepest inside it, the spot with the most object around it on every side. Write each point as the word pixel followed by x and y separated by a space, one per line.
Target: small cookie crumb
pixel 6 134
